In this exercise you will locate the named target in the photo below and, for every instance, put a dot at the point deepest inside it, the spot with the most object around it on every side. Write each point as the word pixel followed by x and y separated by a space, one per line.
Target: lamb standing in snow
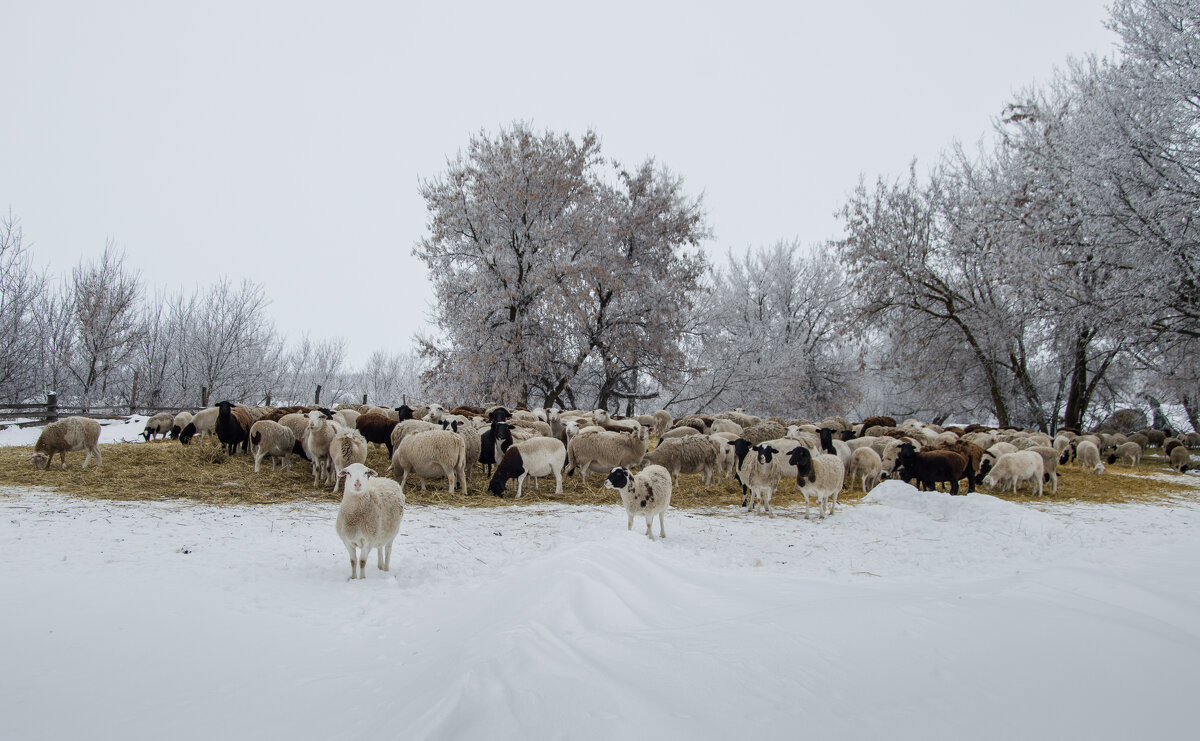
pixel 369 517
pixel 59 438
pixel 647 494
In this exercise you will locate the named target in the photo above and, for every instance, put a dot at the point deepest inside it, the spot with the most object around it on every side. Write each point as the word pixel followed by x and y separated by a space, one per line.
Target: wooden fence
pixel 51 410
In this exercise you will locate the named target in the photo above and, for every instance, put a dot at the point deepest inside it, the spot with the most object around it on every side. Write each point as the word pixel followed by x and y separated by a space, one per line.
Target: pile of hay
pixel 164 469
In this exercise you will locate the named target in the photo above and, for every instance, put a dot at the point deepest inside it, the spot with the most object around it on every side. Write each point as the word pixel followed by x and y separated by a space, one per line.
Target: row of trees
pixel 1055 267
pixel 97 337
pixel 1038 281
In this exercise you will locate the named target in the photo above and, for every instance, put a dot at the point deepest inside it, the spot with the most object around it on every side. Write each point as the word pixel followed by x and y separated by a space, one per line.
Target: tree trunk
pixel 1189 406
pixel 1077 395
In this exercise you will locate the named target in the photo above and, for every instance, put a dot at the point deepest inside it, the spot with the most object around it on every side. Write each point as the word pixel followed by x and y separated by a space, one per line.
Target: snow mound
pixel 960 516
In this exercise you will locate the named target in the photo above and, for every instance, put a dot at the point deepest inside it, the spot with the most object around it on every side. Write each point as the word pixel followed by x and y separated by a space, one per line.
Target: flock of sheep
pixel 433 442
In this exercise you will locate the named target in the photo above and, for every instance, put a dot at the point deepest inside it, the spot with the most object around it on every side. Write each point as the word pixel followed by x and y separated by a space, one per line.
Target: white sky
pixel 285 141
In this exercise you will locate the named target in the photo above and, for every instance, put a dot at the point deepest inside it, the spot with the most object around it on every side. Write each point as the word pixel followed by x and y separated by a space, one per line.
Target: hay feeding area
pixel 165 469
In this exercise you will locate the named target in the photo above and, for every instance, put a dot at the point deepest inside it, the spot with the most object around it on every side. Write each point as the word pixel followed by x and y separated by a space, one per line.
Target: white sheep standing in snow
pixel 647 494
pixel 760 474
pixel 369 517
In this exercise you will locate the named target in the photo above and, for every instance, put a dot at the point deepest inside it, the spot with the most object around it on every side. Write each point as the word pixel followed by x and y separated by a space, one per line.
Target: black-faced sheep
pixel 820 476
pixel 159 424
pixel 647 494
pixel 760 474
pixel 181 420
pixel 537 457
pixel 63 436
pixel 204 423
pixel 1129 453
pixel 494 441
pixel 369 517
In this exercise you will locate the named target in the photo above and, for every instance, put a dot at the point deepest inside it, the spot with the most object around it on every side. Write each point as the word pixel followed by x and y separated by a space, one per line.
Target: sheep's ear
pixel 372 472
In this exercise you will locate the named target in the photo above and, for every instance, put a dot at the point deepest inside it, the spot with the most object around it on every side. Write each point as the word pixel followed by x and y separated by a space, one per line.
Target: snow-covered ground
pixel 911 615
pixel 125 430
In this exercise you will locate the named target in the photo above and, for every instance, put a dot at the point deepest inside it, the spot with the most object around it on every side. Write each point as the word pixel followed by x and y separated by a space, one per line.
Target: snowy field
pixel 911 615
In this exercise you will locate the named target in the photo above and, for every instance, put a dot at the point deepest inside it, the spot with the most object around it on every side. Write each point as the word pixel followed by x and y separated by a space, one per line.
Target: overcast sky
pixel 284 142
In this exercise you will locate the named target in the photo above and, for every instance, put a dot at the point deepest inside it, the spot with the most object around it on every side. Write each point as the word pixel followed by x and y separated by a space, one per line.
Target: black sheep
pixel 493 443
pixel 932 467
pixel 233 427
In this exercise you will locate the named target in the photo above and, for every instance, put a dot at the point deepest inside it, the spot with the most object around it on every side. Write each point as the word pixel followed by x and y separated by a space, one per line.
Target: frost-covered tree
pixel 107 327
pixel 772 337
pixel 543 266
pixel 21 290
pixel 234 350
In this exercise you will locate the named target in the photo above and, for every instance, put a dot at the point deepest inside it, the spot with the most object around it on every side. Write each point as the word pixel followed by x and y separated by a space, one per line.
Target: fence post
pixel 268 400
pixel 204 397
pixel 51 407
pixel 364 399
pixel 133 393
pixel 317 396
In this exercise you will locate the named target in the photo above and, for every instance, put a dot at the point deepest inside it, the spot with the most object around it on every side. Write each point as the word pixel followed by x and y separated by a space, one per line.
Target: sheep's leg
pixel 649 527
pixel 258 456
pixel 387 558
pixel 353 561
pixel 806 506
pixel 520 481
pixel 362 561
pixel 379 558
pixel 87 457
pixel 630 521
pixel 662 529
pixel 558 481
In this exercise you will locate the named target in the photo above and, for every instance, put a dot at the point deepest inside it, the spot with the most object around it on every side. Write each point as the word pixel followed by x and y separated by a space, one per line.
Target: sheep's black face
pixel 741 447
pixel 499 415
pixel 1066 456
pixel 1112 459
pixel 404 411
pixel 765 453
pixel 618 478
pixel 800 458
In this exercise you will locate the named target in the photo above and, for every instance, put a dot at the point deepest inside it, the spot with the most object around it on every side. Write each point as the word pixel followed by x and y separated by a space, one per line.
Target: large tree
pixel 545 258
